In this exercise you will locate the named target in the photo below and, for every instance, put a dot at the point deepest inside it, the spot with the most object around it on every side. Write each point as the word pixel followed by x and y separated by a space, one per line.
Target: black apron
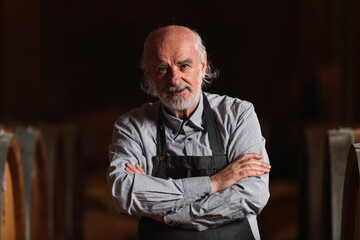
pixel 176 167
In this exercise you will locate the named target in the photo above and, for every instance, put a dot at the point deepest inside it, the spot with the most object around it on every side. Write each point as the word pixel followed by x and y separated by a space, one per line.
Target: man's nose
pixel 175 77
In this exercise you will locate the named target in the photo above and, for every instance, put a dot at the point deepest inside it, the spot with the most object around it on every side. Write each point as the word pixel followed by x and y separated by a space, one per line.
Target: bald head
pixel 170 35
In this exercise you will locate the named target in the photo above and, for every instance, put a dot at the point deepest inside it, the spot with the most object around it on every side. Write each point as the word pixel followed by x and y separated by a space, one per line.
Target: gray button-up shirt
pixel 187 202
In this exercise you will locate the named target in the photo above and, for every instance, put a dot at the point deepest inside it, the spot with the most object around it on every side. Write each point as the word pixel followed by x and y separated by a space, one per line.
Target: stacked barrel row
pixel 37 183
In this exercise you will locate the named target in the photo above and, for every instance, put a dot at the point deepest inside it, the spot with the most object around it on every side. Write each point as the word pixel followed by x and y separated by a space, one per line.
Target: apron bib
pixel 176 167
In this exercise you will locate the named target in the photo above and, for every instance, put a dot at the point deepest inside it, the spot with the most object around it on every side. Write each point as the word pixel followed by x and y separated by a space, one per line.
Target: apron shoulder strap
pixel 212 128
pixel 160 137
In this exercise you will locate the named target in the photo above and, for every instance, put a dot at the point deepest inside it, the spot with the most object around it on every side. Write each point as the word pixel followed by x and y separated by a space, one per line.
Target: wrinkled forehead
pixel 163 42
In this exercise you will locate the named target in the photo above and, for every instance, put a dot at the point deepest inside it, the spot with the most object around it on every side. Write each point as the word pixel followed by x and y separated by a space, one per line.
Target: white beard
pixel 179 103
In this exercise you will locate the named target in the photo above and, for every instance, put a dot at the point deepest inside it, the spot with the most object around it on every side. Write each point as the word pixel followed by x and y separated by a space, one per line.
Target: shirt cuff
pixel 179 218
pixel 196 188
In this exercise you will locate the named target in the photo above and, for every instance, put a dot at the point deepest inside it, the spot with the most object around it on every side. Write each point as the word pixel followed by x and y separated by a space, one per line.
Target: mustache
pixel 172 89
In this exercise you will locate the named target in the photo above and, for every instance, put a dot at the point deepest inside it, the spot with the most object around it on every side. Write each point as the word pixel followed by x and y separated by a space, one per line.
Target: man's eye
pixel 185 65
pixel 162 69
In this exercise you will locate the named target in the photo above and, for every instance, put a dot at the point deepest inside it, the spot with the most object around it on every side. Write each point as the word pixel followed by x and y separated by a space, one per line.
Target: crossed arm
pixel 247 165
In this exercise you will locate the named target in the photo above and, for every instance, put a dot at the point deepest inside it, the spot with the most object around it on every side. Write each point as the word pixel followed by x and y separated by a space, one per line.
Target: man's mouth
pixel 177 90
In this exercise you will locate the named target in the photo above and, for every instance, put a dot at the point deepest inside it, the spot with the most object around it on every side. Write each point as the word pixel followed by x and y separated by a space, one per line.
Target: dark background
pixel 78 61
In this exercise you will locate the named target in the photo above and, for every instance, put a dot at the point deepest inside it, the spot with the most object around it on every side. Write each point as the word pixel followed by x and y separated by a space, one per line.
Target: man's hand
pixel 247 165
pixel 134 170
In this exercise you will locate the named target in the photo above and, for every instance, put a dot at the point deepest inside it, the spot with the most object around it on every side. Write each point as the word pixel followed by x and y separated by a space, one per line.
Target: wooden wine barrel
pixel 12 218
pixel 350 224
pixel 35 182
pixel 324 176
pixel 65 187
pixel 73 176
pixel 50 136
pixel 339 142
pixel 314 181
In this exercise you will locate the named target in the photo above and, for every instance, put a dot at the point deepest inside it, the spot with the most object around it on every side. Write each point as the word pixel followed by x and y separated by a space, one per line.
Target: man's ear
pixel 145 69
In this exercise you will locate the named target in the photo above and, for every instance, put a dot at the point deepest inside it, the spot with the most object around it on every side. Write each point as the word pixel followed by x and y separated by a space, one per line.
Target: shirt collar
pixel 175 125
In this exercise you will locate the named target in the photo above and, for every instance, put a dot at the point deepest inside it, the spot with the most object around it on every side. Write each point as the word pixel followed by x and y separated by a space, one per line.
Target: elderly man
pixel 193 165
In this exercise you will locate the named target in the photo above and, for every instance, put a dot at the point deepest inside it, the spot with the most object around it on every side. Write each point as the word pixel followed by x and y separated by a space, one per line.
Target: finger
pixel 132 168
pixel 129 170
pixel 253 161
pixel 253 170
pixel 261 163
pixel 129 165
pixel 252 155
pixel 140 169
pixel 254 164
pixel 249 155
pixel 253 173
